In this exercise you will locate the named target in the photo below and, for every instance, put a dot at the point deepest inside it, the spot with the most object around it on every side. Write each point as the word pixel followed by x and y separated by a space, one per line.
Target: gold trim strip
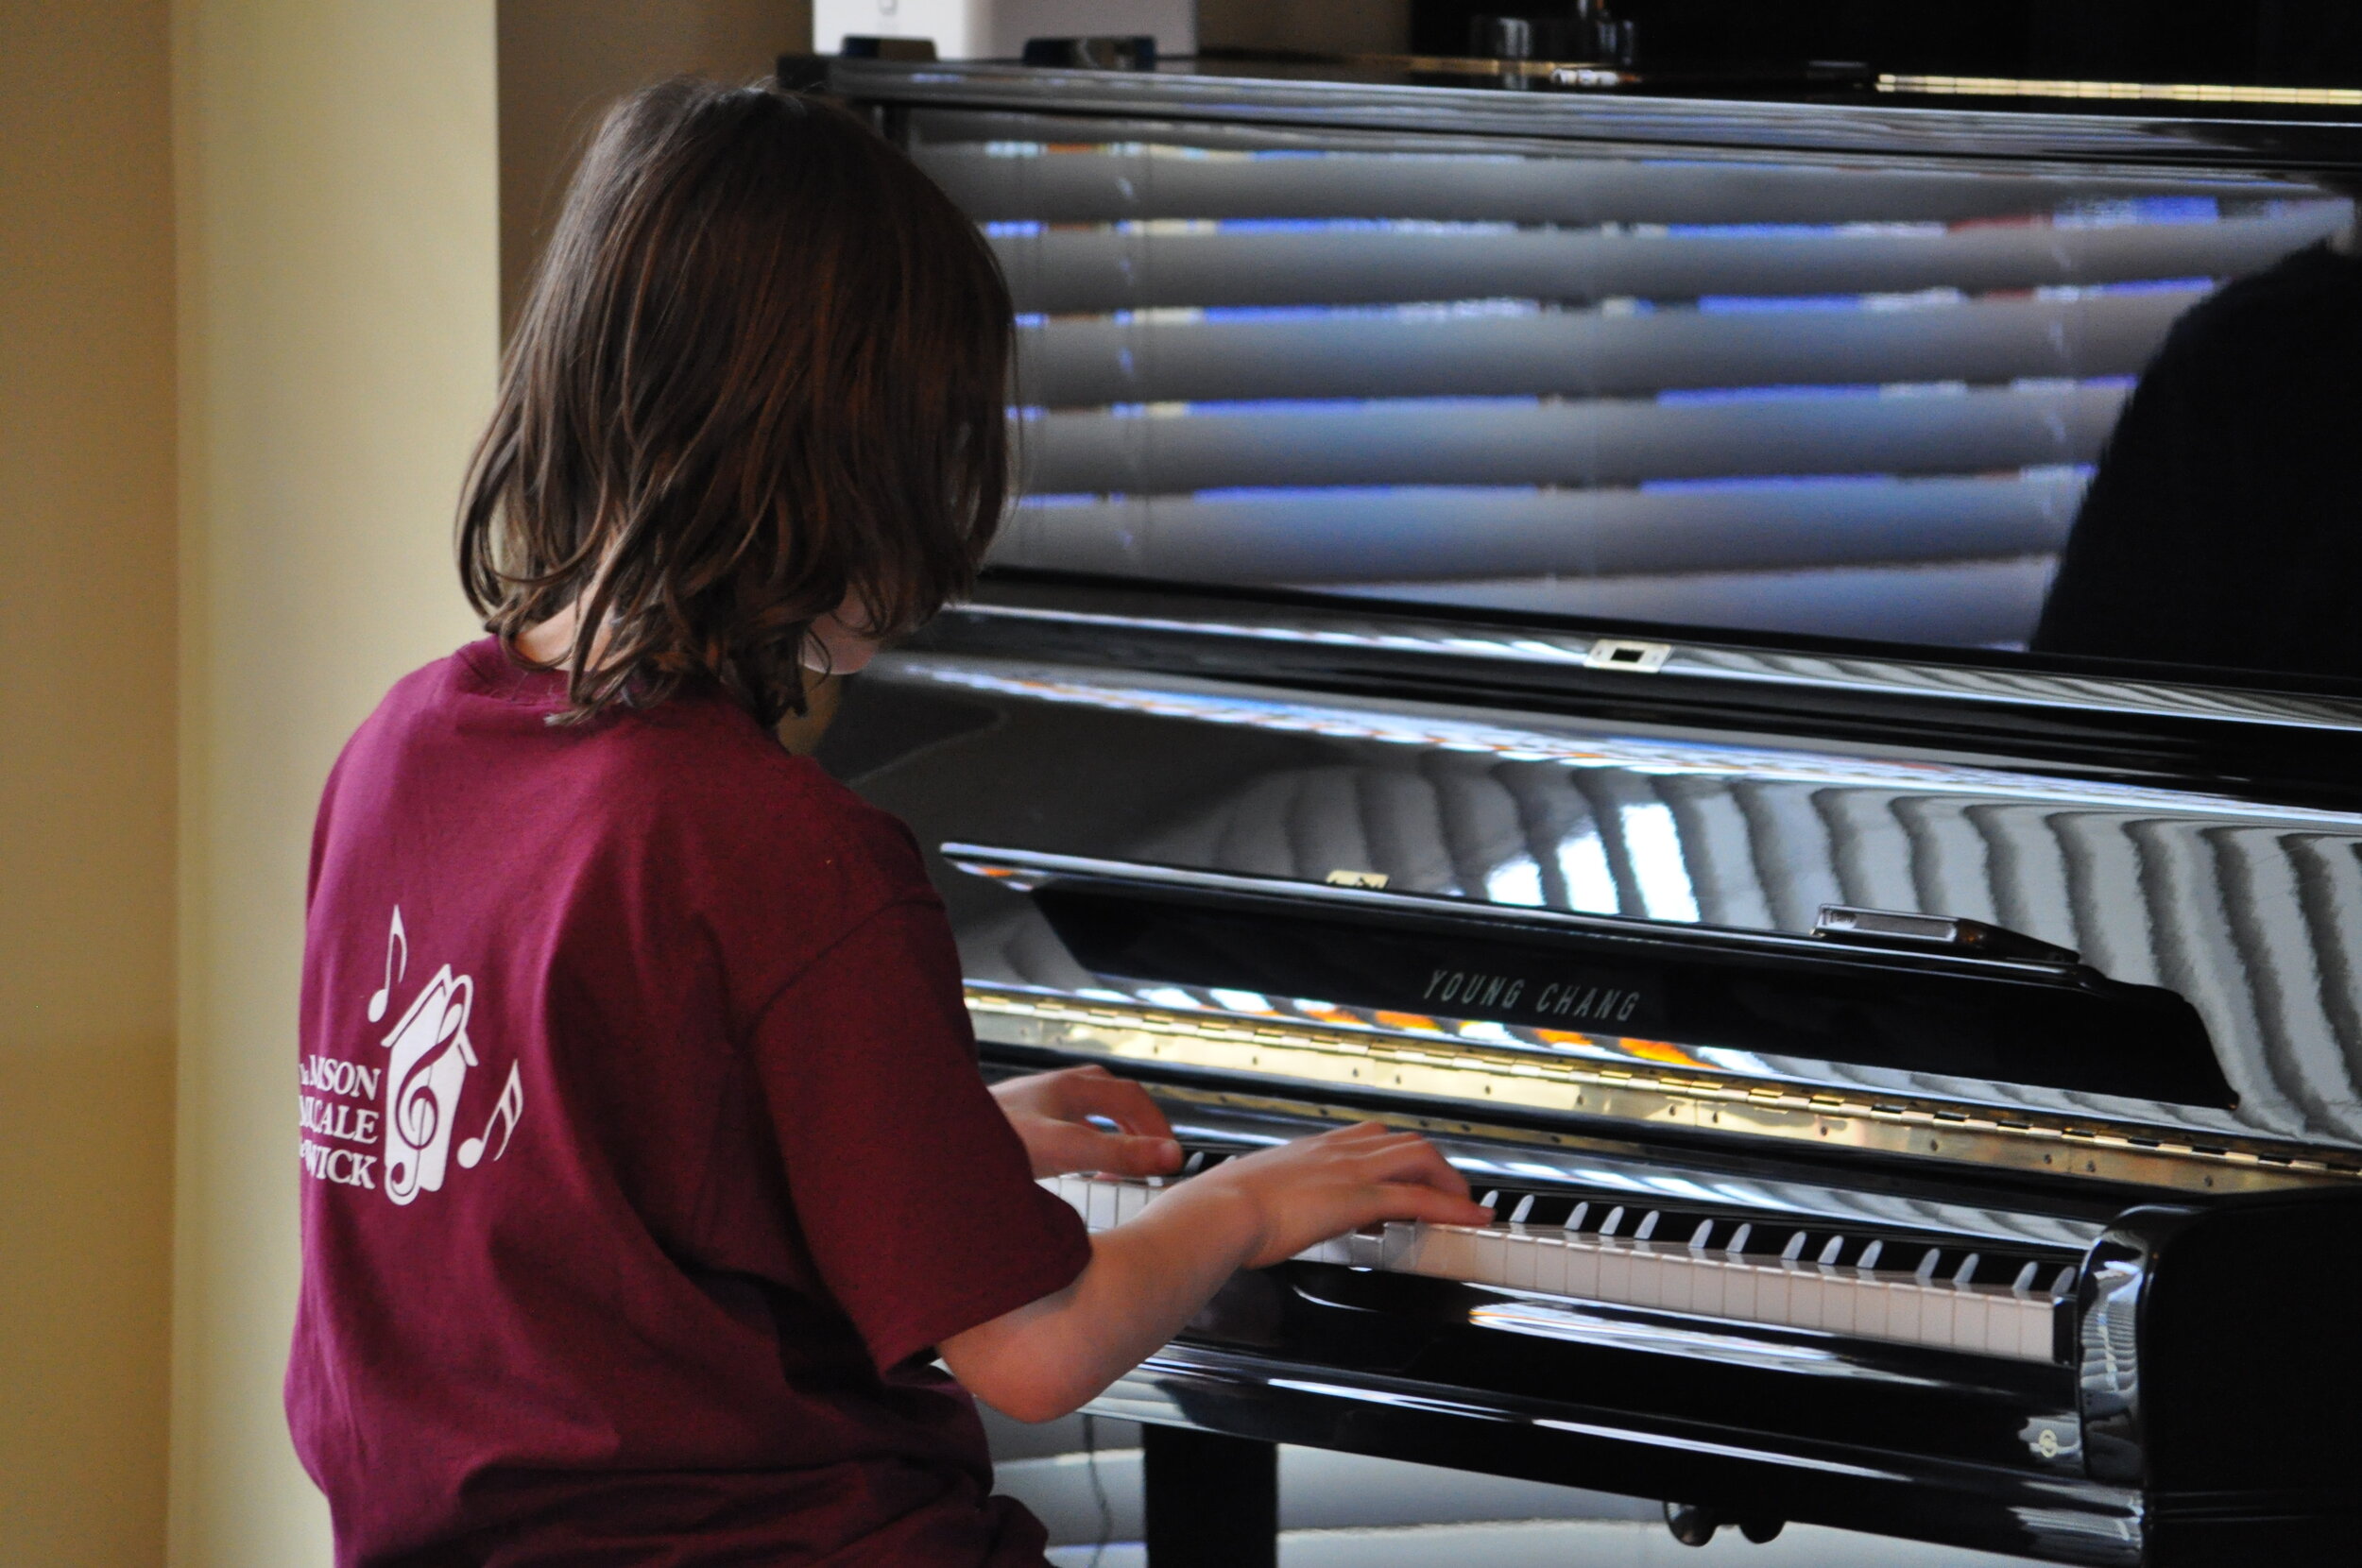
pixel 2151 92
pixel 1469 1076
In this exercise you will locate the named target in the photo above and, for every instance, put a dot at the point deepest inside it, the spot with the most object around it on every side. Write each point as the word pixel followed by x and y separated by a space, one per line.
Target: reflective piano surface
pixel 1427 682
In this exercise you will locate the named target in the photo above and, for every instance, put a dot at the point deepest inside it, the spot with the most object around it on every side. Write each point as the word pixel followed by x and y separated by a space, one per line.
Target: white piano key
pixel 1935 1315
pixel 1709 1278
pixel 1804 1294
pixel 1869 1295
pixel 1492 1258
pixel 1837 1291
pixel 1678 1271
pixel 1550 1262
pixel 1972 1320
pixel 1615 1270
pixel 2020 1313
pixel 2008 1324
pixel 1583 1269
pixel 1450 1251
pixel 2038 1339
pixel 1646 1286
pixel 1904 1297
pixel 1739 1287
pixel 1518 1272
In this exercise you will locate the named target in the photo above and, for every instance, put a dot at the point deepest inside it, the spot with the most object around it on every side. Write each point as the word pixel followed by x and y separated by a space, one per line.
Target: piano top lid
pixel 1821 118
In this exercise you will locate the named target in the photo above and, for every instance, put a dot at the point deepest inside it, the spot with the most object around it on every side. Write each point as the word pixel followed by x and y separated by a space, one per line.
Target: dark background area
pixel 2281 43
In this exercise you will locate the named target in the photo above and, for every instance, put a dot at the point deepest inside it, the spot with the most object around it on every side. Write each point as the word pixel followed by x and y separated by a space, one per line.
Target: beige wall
pixel 86 778
pixel 338 329
pixel 562 61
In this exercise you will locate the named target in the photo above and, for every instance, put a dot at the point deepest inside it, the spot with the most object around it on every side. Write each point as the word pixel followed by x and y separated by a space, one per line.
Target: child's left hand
pixel 1051 1113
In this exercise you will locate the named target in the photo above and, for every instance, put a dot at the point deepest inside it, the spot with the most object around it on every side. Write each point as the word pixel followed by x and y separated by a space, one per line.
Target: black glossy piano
pixel 1518 628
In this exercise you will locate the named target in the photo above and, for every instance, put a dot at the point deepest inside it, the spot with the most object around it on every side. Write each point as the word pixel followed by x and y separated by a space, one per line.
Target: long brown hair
pixel 763 365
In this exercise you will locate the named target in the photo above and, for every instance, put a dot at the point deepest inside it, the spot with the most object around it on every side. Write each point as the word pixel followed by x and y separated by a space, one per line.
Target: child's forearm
pixel 1144 1281
pixel 1148 1278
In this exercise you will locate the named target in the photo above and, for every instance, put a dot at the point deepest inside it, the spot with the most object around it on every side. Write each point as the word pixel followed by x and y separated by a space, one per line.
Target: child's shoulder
pixel 712 781
pixel 693 788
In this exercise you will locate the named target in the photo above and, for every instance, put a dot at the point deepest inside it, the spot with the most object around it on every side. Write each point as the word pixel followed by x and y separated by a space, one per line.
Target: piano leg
pixel 1211 1501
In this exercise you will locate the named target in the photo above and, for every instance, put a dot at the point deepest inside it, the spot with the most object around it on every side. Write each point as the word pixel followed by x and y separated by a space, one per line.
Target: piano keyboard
pixel 1764 1271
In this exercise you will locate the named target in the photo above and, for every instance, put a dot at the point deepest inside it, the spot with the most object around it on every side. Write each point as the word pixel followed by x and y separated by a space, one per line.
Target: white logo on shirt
pixel 422 1080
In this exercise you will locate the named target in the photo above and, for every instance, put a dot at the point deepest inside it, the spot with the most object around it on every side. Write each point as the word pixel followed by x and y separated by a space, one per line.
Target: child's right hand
pixel 1305 1192
pixel 1148 1277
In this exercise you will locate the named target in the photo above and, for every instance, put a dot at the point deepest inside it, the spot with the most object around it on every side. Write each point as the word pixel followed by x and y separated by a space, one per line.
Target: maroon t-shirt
pixel 643 1154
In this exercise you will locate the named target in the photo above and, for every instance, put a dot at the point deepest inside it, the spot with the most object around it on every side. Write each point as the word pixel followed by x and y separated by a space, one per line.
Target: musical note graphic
pixel 385 992
pixel 510 1106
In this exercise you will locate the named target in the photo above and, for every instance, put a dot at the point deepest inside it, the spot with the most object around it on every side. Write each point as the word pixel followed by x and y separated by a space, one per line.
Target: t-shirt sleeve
pixel 914 1196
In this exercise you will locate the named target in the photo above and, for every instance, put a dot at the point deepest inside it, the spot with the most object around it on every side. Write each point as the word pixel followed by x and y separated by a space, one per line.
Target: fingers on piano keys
pixel 1754 1270
pixel 1107 1202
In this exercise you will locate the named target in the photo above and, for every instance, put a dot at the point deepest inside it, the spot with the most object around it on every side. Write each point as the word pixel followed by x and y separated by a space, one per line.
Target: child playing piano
pixel 646 1168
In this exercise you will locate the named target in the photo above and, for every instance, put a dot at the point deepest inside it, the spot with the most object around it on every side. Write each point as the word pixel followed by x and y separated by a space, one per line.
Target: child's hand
pixel 1050 1111
pixel 1146 1277
pixel 1307 1191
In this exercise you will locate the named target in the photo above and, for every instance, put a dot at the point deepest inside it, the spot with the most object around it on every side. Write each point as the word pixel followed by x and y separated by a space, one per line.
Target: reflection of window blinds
pixel 1815 397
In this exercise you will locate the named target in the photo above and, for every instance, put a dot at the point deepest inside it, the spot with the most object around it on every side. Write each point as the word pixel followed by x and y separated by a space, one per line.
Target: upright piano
pixel 1518 629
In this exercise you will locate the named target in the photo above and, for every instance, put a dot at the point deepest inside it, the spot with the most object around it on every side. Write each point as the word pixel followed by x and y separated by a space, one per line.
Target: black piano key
pixel 1550 1210
pixel 1613 1224
pixel 1870 1254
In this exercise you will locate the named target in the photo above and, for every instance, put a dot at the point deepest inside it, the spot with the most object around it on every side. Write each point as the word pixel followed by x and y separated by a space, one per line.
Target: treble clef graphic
pixel 431 1055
